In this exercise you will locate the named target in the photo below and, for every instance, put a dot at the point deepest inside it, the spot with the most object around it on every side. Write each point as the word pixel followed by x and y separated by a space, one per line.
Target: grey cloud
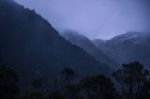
pixel 94 18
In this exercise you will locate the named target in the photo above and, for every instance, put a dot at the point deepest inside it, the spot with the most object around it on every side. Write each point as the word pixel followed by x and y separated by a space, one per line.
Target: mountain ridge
pixel 131 46
pixel 86 44
pixel 30 45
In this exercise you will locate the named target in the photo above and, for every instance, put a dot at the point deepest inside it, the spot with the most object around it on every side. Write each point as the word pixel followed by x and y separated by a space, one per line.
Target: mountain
pixel 31 46
pixel 83 42
pixel 132 46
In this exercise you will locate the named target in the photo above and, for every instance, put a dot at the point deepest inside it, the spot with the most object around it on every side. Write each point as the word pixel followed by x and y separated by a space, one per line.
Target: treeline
pixel 131 81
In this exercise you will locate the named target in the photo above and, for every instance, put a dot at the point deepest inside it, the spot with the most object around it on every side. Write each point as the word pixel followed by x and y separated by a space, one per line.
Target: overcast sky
pixel 94 18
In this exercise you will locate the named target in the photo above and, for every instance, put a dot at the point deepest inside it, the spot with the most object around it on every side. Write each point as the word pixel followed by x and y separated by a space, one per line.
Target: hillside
pixel 132 46
pixel 34 48
pixel 85 43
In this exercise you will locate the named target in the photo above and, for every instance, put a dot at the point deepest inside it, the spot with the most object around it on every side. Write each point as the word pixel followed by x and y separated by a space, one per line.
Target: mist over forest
pixel 40 61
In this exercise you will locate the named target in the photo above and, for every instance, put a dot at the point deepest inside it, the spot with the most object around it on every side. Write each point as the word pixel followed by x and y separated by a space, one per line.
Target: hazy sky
pixel 94 18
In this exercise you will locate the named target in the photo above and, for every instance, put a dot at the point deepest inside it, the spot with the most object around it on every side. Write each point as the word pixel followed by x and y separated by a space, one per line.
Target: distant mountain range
pixel 125 48
pixel 31 46
pixel 86 44
pixel 132 46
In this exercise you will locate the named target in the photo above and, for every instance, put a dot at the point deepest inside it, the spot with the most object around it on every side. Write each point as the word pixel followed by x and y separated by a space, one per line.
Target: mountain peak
pixel 128 47
pixel 88 46
pixel 130 36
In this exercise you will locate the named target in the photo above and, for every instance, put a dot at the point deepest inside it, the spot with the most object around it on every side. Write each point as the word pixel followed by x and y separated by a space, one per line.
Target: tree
pixel 98 87
pixel 37 84
pixel 56 95
pixel 9 88
pixel 145 92
pixel 131 77
pixel 68 73
pixel 36 92
pixel 73 91
pixel 35 95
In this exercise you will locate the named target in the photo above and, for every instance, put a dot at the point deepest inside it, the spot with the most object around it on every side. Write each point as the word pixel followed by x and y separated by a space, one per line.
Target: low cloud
pixel 94 18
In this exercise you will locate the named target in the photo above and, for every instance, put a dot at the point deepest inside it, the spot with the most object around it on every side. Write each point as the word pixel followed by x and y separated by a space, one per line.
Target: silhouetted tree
pixel 73 91
pixel 98 87
pixel 131 77
pixel 70 90
pixel 36 92
pixel 9 88
pixel 56 95
pixel 37 84
pixel 145 92
pixel 34 95
pixel 68 73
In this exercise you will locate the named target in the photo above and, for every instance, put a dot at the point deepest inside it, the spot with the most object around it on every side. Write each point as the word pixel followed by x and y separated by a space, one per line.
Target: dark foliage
pixel 56 95
pixel 8 83
pixel 134 80
pixel 98 87
pixel 68 74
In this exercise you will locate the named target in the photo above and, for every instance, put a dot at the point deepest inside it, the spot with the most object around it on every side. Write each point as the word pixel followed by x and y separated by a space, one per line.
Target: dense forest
pixel 131 81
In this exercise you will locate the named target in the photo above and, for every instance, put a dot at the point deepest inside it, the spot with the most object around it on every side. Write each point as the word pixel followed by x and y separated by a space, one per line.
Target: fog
pixel 94 18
